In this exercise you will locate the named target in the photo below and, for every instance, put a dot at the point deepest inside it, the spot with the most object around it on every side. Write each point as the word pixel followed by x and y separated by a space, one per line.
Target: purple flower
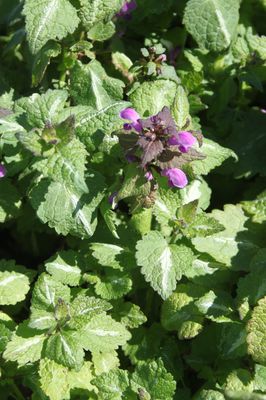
pixel 131 115
pixel 127 9
pixel 149 176
pixel 2 171
pixel 176 177
pixel 111 199
pixel 263 110
pixel 161 58
pixel 183 139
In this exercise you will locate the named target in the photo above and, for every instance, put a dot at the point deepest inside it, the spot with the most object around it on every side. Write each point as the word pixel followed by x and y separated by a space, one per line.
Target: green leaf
pixel 68 209
pixel 134 184
pixel 65 348
pixel 209 395
pixel 162 263
pixel 249 148
pixel 129 314
pixel 256 208
pixel 102 333
pixel 92 11
pixel 260 378
pixel 42 320
pixel 113 285
pixel 109 217
pixel 150 97
pixel 26 349
pixel 122 63
pixel 52 19
pixel 5 335
pixel 88 120
pixel 179 313
pixel 105 362
pixel 39 109
pixel 212 23
pixel 252 287
pixel 216 306
pixel 165 207
pixel 66 165
pixel 91 86
pixel 10 201
pixel 107 255
pixel 141 221
pixel 202 226
pixel 13 287
pixel 152 378
pixel 233 340
pixel 225 246
pixel 239 380
pixel 64 267
pixel 101 31
pixel 83 308
pixel 8 128
pixel 6 100
pixel 256 328
pixel 52 373
pixel 258 44
pixel 180 108
pixel 215 156
pixel 42 60
pixel 113 385
pixel 32 141
pixel 47 292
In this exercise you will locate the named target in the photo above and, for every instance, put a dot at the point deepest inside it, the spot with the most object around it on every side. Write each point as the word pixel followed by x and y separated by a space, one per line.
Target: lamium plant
pixel 132 200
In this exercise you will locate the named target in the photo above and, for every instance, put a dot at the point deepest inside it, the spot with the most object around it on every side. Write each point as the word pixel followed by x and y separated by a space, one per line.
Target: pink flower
pixel 161 58
pixel 2 171
pixel 149 176
pixel 183 139
pixel 131 115
pixel 176 177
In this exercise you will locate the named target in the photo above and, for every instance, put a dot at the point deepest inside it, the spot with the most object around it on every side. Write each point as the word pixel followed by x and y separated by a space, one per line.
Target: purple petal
pixel 137 126
pixel 173 141
pixel 186 138
pixel 263 110
pixel 111 198
pixel 162 58
pixel 127 8
pixel 2 171
pixel 130 114
pixel 128 127
pixel 176 177
pixel 149 176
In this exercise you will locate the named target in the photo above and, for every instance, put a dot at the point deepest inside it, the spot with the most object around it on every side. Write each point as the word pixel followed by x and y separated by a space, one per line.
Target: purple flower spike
pixel 176 177
pixel 127 9
pixel 149 176
pixel 2 171
pixel 131 115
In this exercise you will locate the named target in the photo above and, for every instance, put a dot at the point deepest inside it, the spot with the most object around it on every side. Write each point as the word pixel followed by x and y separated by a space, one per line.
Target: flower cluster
pixel 156 142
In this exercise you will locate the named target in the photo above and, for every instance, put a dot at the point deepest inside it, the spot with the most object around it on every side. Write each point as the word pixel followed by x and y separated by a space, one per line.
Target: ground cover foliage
pixel 132 200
